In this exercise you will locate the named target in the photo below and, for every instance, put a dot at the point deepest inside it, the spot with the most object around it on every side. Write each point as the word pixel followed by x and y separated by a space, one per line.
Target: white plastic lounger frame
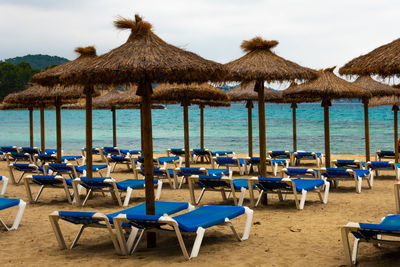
pixel 357 179
pixel 355 162
pixel 318 160
pixel 48 171
pixel 129 246
pixel 397 196
pixel 208 156
pixel 4 186
pixel 17 181
pixel 241 169
pixel 128 160
pixel 28 181
pixel 165 172
pixel 195 178
pixel 18 217
pixel 351 255
pixel 113 190
pixel 299 203
pixel 393 164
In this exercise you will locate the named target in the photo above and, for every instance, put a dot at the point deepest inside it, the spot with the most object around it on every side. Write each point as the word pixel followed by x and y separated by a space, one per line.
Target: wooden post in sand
pixel 185 104
pixel 396 133
pixel 326 103
pixel 249 106
pixel 366 129
pixel 294 106
pixel 42 137
pixel 58 127
pixel 89 145
pixel 259 87
pixel 31 127
pixel 114 123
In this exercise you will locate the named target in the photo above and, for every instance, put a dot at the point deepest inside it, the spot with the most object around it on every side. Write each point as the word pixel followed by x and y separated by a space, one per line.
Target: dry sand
pixel 280 235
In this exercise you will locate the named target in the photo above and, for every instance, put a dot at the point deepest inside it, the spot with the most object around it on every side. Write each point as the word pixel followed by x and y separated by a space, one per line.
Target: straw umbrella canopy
pixel 245 92
pixel 327 87
pixel 145 59
pixel 54 76
pixel 376 89
pixel 183 94
pixel 260 64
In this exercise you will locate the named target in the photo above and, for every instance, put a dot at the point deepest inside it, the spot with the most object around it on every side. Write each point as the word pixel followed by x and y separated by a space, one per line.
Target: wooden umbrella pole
pixel 259 86
pixel 202 129
pixel 326 104
pixel 89 135
pixel 58 128
pixel 42 137
pixel 294 106
pixel 366 129
pixel 396 133
pixel 114 122
pixel 31 127
pixel 249 106
pixel 145 90
pixel 141 127
pixel 185 105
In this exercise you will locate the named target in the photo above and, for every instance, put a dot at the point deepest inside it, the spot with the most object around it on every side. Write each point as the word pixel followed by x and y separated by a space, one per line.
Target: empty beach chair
pixel 160 162
pixel 185 172
pixel 375 166
pixel 74 171
pixel 201 154
pixel 384 154
pixel 300 155
pixel 13 157
pixel 175 152
pixel 196 221
pixel 47 181
pixel 115 160
pixel 30 150
pixel 229 162
pixel 280 154
pixel 334 175
pixel 109 185
pixel 11 149
pixel 223 153
pixel 4 181
pixel 347 163
pixel 289 186
pixel 300 173
pixel 100 220
pixel 251 162
pixel 41 159
pixel 159 173
pixel 386 232
pixel 24 168
pixel 6 203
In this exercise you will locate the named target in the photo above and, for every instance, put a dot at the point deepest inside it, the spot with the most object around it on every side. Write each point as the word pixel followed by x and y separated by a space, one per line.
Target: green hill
pixel 38 61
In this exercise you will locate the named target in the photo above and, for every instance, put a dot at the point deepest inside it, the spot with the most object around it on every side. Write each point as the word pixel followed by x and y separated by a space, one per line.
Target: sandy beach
pixel 280 235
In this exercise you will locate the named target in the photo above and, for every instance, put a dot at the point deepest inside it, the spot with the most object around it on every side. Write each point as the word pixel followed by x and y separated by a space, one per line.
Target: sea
pixel 225 128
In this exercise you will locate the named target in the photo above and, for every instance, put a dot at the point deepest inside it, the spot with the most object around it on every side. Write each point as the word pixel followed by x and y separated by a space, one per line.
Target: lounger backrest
pixel 30 150
pixel 379 164
pixel 187 171
pixel 281 154
pixel 300 172
pixel 336 173
pixel 95 182
pixel 342 163
pixel 201 151
pixel 269 183
pixel 50 151
pixel 305 155
pixel 7 149
pixel 207 181
pixel 177 151
pixel 25 167
pixel 112 150
pixel 18 156
pixel 226 160
pixel 59 167
pixel 46 179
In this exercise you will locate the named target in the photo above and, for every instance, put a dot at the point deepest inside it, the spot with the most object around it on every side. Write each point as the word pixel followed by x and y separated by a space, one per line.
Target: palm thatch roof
pixel 54 75
pixel 245 92
pixel 383 61
pixel 108 100
pixel 146 57
pixel 290 99
pixel 376 88
pixel 386 100
pixel 178 93
pixel 260 63
pixel 326 86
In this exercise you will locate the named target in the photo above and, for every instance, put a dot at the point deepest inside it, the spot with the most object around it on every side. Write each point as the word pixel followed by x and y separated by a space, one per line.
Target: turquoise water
pixel 225 128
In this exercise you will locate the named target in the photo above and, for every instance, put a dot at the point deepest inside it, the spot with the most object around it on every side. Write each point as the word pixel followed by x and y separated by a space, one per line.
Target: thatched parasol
pixel 245 92
pixel 260 64
pixel 327 87
pixel 383 61
pixel 145 59
pixel 183 94
pixel 376 89
pixel 55 76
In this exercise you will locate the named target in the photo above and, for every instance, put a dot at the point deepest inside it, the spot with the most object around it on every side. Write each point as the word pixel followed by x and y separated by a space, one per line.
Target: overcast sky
pixel 313 33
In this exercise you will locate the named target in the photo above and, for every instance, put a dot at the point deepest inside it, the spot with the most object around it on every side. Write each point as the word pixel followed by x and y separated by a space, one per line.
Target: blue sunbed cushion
pixel 386 153
pixel 229 160
pixel 132 183
pixel 186 171
pixel 24 167
pixel 8 202
pixel 300 171
pixel 82 168
pixel 206 217
pixel 162 160
pixel 207 181
pixel 177 151
pixel 221 153
pixel 278 161
pixel 217 172
pixel 6 149
pixel 200 151
pixel 70 157
pixel 49 180
pixel 50 151
pixel 95 182
pixel 300 184
pixel 307 184
pixel 381 165
pixel 390 223
pixel 239 183
pixel 119 158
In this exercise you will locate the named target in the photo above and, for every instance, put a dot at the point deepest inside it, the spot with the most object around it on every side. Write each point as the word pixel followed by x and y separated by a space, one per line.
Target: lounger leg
pixel 249 220
pixel 275 168
pixel 223 194
pixel 303 199
pixel 280 195
pixel 57 230
pixel 241 197
pixel 127 196
pixel 113 169
pixel 11 175
pixel 197 242
pixel 326 193
pixel 39 193
pixel 108 171
pixel 358 184
pixel 20 178
pixel 18 217
pixel 181 183
pixel 346 246
pixel 251 193
pixel 77 237
pixel 182 244
pixel 132 247
pixel 191 192
pixel 3 189
pixel 28 190
pixel 86 198
pixel 200 196
pixel 159 188
pixel 259 197
pixel 370 180
pixel 77 196
pixel 355 251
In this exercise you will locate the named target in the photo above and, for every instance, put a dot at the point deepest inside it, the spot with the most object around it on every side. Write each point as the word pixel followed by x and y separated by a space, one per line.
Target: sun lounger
pixel 382 165
pixel 115 160
pixel 41 159
pixel 196 221
pixel 229 162
pixel 106 221
pixel 24 168
pixel 220 184
pixel 201 154
pixel 109 185
pixel 30 150
pixel 159 162
pixel 334 175
pixel 116 151
pixel 300 173
pixel 47 181
pixel 4 180
pixel 384 154
pixel 348 164
pixel 185 172
pixel 6 203
pixel 175 152
pixel 11 149
pixel 289 186
pixel 72 170
pixel 13 157
pixel 300 155
pixel 274 163
pixel 280 154
pixel 387 232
